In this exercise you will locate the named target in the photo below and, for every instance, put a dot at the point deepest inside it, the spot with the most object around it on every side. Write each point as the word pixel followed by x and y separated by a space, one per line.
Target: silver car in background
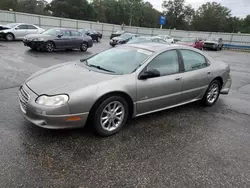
pixel 128 81
pixel 19 31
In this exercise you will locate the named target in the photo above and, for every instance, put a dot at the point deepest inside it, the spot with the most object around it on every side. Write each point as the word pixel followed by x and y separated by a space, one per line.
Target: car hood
pixel 210 41
pixel 34 36
pixel 65 78
pixel 119 39
pixel 185 43
pixel 4 27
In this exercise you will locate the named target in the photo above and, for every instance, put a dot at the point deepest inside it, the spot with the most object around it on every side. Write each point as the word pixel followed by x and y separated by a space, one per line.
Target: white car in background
pixel 14 31
pixel 167 38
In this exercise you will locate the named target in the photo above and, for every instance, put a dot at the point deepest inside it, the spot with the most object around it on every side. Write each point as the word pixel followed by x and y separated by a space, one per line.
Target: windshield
pixel 126 36
pixel 119 60
pixel 11 25
pixel 119 32
pixel 188 40
pixel 52 32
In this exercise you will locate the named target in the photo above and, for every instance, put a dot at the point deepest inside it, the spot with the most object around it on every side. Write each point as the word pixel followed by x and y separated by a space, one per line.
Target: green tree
pixel 178 14
pixel 211 17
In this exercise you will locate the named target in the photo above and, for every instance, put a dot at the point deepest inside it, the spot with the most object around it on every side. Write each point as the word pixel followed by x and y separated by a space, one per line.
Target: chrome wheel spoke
pixel 112 116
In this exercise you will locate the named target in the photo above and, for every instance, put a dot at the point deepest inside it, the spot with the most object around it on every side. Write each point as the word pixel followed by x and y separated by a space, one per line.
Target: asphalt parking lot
pixel 189 146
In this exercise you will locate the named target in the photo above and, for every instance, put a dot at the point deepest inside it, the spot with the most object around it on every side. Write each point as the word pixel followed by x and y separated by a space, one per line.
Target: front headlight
pixel 38 39
pixel 111 40
pixel 56 100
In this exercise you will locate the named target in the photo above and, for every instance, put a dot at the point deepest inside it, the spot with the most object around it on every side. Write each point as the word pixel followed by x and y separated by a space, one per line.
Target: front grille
pixel 23 98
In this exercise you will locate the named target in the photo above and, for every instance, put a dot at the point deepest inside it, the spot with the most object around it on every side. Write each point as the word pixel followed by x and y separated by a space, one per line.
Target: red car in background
pixel 192 41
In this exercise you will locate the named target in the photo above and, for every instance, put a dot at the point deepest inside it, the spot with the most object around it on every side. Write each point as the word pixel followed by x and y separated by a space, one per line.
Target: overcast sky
pixel 239 8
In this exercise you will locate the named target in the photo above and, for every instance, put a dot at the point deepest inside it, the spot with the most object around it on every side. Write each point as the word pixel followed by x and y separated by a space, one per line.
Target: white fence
pixel 231 39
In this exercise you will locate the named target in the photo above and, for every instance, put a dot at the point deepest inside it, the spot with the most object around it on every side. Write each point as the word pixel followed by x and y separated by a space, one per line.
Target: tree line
pixel 210 16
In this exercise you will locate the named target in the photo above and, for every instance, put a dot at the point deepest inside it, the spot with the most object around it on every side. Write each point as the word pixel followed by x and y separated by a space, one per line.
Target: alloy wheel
pixel 112 116
pixel 213 93
pixel 50 47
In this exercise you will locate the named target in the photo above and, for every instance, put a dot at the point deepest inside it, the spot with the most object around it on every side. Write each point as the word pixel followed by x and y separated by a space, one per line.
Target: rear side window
pixel 31 27
pixel 193 60
pixel 66 33
pixel 22 27
pixel 155 40
pixel 75 33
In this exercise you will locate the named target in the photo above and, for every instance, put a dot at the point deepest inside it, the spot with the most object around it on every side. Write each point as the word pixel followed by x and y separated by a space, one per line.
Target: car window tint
pixel 66 33
pixel 31 27
pixel 166 63
pixel 120 60
pixel 155 40
pixel 22 27
pixel 162 41
pixel 75 33
pixel 193 60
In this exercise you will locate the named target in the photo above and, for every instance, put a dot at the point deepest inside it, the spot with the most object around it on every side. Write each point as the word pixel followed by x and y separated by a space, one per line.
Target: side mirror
pixel 16 28
pixel 152 73
pixel 59 35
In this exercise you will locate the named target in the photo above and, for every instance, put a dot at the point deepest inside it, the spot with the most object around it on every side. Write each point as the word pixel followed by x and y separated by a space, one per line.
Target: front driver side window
pixel 22 27
pixel 166 63
pixel 193 60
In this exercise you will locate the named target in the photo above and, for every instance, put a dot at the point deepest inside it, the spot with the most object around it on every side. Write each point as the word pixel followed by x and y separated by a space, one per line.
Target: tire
pixel 98 39
pixel 113 45
pixel 84 47
pixel 212 94
pixel 107 121
pixel 49 46
pixel 9 37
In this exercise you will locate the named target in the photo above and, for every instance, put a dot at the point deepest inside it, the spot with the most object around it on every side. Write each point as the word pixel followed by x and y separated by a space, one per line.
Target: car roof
pixel 64 29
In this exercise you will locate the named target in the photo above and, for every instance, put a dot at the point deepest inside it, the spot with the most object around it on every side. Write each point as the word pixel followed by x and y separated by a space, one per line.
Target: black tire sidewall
pixel 97 114
pixel 47 44
pixel 82 48
pixel 11 35
pixel 204 100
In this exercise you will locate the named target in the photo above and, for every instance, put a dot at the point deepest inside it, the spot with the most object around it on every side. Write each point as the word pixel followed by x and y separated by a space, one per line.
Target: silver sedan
pixel 127 81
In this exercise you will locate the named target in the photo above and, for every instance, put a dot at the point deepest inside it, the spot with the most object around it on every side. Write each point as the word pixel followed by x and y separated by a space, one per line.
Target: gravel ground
pixel 189 146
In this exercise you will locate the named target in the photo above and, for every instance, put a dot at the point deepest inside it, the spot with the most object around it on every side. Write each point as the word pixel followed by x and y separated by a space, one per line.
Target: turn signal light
pixel 75 118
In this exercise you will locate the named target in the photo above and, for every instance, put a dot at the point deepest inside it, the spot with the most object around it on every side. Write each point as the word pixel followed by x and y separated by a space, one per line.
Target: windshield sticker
pixel 144 52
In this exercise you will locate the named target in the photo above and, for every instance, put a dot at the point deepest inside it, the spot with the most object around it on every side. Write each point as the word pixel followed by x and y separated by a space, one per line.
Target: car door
pixel 64 41
pixel 161 92
pixel 21 31
pixel 32 29
pixel 196 75
pixel 76 39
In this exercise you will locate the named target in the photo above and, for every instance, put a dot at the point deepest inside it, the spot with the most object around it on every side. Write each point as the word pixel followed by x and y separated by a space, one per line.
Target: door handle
pixel 208 72
pixel 178 78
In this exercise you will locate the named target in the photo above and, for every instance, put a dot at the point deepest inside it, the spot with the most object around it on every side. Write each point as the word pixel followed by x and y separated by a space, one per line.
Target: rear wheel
pixel 49 46
pixel 212 94
pixel 84 47
pixel 9 37
pixel 98 39
pixel 110 116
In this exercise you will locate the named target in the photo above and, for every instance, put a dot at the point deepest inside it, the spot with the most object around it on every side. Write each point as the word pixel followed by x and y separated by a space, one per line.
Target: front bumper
pixel 34 44
pixel 49 117
pixel 2 35
pixel 226 86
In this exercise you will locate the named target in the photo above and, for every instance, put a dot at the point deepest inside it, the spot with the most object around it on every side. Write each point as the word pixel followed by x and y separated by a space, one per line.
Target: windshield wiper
pixel 100 68
pixel 96 66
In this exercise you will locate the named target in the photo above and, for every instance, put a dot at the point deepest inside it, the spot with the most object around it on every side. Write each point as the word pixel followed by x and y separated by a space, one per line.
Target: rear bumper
pixel 226 86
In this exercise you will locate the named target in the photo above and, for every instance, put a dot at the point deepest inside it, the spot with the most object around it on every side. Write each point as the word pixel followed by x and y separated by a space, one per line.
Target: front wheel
pixel 49 46
pixel 9 37
pixel 212 94
pixel 110 116
pixel 84 47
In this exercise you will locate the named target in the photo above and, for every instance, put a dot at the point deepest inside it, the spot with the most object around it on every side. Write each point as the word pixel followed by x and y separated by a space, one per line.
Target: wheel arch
pixel 122 94
pixel 11 34
pixel 219 79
